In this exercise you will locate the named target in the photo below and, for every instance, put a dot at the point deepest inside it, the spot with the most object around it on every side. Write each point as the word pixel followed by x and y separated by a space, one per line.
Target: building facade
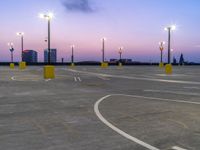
pixel 53 55
pixel 30 56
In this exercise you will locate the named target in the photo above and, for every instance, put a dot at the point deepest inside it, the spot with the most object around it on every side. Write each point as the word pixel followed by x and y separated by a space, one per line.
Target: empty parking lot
pixel 90 108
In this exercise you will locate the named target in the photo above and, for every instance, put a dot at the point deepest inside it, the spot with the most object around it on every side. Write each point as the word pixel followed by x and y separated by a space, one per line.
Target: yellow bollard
pixel 104 65
pixel 168 69
pixel 22 65
pixel 12 66
pixel 161 65
pixel 120 64
pixel 72 65
pixel 49 72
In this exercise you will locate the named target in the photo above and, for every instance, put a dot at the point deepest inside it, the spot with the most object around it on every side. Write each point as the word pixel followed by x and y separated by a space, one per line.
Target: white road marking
pixel 177 148
pixel 96 109
pixel 173 92
pixel 103 78
pixel 124 134
pixel 171 75
pixel 13 78
pixel 79 79
pixel 47 80
pixel 136 78
pixel 75 79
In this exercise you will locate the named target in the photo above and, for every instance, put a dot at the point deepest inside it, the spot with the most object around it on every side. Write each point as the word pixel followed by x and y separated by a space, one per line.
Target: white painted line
pixel 171 75
pixel 177 148
pixel 103 78
pixel 159 99
pixel 47 80
pixel 173 92
pixel 13 78
pixel 136 78
pixel 124 134
pixel 75 79
pixel 79 79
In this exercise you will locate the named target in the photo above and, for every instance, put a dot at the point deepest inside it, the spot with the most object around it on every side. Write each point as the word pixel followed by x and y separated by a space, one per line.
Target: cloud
pixel 78 6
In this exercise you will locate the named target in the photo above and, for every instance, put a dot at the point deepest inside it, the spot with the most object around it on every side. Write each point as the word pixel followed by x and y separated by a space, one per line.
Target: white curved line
pixel 13 78
pixel 96 109
pixel 124 134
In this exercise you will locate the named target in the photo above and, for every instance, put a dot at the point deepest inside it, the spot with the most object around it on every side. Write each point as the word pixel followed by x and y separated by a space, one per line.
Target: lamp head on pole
pixel 103 39
pixel 162 45
pixel 120 50
pixel 20 33
pixel 171 27
pixel 47 16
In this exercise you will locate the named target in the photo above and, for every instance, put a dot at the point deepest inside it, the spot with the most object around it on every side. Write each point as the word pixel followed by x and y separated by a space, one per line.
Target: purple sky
pixel 137 25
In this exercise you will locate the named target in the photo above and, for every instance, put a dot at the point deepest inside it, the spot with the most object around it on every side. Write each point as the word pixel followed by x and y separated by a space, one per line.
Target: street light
pixel 48 17
pixel 21 34
pixel 169 29
pixel 120 54
pixel 103 49
pixel 72 57
pixel 161 50
pixel 11 48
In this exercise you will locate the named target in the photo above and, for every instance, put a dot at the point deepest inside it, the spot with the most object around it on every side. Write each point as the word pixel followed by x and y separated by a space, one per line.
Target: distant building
pixel 30 56
pixel 114 60
pixel 181 60
pixel 53 55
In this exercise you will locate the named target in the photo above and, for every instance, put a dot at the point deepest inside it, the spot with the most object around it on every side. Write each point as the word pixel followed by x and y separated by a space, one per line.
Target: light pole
pixel 11 48
pixel 72 57
pixel 21 34
pixel 161 50
pixel 169 29
pixel 172 50
pixel 48 17
pixel 120 54
pixel 103 49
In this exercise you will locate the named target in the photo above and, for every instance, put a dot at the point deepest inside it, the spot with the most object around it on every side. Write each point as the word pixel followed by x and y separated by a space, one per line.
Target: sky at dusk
pixel 137 25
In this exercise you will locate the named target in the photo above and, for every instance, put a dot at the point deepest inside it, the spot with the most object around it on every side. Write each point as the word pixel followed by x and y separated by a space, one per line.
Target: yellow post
pixel 120 65
pixel 168 69
pixel 104 65
pixel 49 72
pixel 161 65
pixel 22 65
pixel 72 65
pixel 12 66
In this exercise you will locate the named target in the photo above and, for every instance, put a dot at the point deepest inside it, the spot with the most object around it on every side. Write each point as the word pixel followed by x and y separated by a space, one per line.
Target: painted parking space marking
pixel 126 135
pixel 77 79
pixel 47 80
pixel 136 78
pixel 171 75
pixel 13 78
pixel 103 78
pixel 177 148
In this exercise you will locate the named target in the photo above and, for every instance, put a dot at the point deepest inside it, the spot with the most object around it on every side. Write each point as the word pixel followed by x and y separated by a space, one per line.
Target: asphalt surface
pixel 90 108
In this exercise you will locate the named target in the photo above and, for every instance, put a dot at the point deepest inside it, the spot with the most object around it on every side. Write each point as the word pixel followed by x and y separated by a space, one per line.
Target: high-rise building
pixel 30 56
pixel 53 55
